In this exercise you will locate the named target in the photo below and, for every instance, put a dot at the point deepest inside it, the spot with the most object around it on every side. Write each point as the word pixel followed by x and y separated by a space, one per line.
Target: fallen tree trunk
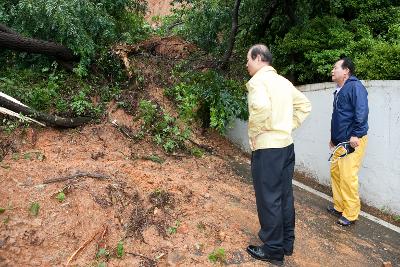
pixel 48 119
pixel 9 39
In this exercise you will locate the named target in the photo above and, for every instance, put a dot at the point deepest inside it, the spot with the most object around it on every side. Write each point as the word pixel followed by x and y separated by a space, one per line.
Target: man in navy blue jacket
pixel 349 124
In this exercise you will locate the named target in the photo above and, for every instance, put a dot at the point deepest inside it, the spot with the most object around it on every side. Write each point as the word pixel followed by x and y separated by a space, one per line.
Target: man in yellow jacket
pixel 276 107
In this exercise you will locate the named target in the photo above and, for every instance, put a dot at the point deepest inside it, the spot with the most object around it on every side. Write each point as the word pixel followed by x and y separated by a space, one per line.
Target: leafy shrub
pixel 382 61
pixel 210 97
pixel 162 127
pixel 173 229
pixel 54 91
pixel 80 103
pixel 103 253
pixel 308 51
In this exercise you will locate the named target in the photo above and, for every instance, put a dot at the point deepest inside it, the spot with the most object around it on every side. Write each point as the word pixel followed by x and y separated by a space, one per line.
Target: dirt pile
pixel 176 211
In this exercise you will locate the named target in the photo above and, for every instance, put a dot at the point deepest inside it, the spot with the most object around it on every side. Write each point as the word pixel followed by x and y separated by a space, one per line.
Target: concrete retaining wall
pixel 379 176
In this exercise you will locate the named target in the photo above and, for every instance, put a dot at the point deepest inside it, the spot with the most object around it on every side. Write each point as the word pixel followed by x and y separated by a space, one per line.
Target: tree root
pixel 76 175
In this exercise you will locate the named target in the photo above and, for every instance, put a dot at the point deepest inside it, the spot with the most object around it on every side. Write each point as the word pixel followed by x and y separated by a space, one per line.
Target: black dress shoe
pixel 334 212
pixel 259 254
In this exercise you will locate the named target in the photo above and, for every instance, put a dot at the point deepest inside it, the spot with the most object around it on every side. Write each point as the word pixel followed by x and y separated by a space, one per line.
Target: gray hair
pixel 263 51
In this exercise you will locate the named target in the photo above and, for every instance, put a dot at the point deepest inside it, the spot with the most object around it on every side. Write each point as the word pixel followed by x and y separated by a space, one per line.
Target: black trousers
pixel 272 170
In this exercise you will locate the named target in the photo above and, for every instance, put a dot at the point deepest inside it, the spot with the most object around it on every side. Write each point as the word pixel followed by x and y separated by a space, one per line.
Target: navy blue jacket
pixel 350 112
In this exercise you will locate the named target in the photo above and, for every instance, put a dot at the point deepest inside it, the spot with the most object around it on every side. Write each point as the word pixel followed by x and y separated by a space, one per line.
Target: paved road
pixel 321 242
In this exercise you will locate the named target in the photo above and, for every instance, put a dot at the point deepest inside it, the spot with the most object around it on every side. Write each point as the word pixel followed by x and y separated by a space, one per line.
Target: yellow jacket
pixel 276 107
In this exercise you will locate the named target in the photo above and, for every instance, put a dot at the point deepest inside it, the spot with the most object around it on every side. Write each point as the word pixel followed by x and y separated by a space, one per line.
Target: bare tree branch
pixel 76 175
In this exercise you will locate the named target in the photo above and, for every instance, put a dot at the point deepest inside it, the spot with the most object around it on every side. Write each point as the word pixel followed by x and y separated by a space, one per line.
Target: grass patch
pixel 218 255
pixel 34 208
pixel 197 152
pixel 173 229
pixel 120 249
pixel 60 197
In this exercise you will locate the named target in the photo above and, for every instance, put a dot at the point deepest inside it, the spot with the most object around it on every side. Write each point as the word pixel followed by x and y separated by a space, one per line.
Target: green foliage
pixel 381 61
pixel 204 22
pixel 2 210
pixel 218 255
pixel 197 152
pixel 162 127
pixel 38 82
pixel 6 220
pixel 309 50
pixel 3 13
pixel 34 208
pixel 210 97
pixel 396 218
pixel 60 196
pixel 306 37
pixel 33 155
pixel 120 249
pixel 80 103
pixel 51 90
pixel 173 229
pixel 314 46
pixel 201 226
pixel 9 125
pixel 86 27
pixel 102 254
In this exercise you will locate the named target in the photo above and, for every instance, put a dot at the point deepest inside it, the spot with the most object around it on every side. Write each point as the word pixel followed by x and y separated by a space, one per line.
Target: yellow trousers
pixel 344 175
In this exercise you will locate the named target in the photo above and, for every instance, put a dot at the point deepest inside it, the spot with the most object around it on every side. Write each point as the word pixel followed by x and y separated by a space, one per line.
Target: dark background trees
pixel 305 36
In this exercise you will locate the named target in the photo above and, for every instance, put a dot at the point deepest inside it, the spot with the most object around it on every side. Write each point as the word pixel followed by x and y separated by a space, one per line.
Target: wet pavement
pixel 364 244
pixel 320 241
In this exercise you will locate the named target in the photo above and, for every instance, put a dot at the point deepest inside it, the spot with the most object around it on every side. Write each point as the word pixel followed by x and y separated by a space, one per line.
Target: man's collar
pixel 265 69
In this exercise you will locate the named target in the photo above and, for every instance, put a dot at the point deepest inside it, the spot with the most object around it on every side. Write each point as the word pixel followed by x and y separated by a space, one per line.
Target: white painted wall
pixel 379 176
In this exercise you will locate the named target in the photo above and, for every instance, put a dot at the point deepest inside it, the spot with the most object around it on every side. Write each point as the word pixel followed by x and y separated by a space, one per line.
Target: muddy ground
pixel 172 213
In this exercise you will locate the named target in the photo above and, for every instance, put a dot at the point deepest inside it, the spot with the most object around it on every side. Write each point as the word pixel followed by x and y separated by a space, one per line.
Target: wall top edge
pixel 331 85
